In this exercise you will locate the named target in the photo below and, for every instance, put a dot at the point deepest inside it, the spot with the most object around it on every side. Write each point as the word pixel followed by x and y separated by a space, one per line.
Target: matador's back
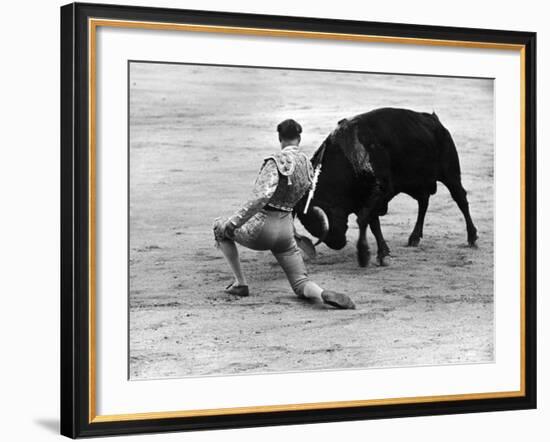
pixel 295 178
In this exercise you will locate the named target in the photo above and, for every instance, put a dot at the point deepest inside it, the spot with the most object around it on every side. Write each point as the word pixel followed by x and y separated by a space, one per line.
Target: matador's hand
pixel 224 229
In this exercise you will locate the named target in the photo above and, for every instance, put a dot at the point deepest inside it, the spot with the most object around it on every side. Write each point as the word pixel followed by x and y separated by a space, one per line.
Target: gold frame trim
pixel 93 24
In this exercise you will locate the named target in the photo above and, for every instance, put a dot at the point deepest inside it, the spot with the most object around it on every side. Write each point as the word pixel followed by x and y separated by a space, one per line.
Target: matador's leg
pixel 229 250
pixel 292 263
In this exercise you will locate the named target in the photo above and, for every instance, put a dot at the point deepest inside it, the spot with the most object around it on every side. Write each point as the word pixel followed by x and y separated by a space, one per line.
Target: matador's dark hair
pixel 289 129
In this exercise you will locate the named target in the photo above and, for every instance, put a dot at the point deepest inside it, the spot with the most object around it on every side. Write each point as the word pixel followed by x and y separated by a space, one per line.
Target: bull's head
pixel 328 224
pixel 327 215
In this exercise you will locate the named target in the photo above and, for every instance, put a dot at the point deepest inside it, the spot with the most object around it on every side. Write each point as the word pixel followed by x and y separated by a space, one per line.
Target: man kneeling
pixel 265 221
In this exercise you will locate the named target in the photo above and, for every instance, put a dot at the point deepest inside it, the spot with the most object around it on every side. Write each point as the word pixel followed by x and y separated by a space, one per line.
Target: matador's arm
pixel 264 188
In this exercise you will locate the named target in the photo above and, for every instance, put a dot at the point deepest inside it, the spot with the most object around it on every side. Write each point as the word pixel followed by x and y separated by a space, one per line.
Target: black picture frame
pixel 75 220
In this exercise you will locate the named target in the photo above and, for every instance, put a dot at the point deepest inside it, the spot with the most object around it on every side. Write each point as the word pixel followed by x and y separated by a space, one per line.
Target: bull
pixel 369 159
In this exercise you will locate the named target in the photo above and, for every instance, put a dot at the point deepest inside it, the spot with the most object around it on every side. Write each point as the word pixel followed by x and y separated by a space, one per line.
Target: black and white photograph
pixel 289 220
pixel 275 221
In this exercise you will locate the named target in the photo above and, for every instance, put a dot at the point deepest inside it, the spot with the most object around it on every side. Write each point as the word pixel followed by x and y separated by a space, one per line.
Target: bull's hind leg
pixel 383 249
pixel 363 252
pixel 459 195
pixel 418 231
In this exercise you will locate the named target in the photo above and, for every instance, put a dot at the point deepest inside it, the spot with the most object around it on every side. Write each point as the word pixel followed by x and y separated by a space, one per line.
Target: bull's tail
pixel 450 176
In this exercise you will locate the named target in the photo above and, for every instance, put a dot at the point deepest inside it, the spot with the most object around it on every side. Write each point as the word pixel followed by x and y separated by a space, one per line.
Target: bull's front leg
pixel 363 253
pixel 369 213
pixel 383 249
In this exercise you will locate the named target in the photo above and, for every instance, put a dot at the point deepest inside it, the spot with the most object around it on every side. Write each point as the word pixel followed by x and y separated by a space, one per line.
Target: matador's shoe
pixel 338 300
pixel 238 290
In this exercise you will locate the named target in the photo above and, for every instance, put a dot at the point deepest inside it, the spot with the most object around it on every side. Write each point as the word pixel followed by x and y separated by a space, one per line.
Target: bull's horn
pixel 323 218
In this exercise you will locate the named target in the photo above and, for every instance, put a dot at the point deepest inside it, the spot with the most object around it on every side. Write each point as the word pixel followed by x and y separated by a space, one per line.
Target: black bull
pixel 371 158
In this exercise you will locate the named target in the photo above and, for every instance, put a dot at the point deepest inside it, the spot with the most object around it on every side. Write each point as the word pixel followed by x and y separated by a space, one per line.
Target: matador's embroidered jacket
pixel 283 180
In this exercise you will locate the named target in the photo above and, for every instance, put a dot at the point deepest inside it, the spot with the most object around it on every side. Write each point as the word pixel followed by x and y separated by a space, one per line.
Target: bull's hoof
pixel 413 241
pixel 363 255
pixel 384 261
pixel 363 260
pixel 472 240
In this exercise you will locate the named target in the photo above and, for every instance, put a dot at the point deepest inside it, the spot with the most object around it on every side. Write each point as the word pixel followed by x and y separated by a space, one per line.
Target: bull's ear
pixel 342 121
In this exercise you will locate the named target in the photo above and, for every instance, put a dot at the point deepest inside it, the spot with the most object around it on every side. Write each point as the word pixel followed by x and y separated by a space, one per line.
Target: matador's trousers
pixel 274 230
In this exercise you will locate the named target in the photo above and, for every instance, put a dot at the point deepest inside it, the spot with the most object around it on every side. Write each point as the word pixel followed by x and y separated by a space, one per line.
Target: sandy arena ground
pixel 197 137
